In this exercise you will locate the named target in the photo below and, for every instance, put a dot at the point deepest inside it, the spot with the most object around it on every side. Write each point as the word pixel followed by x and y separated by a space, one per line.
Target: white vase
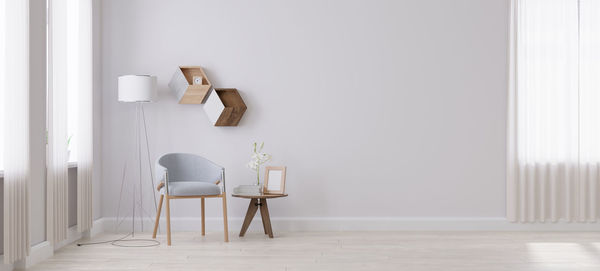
pixel 251 189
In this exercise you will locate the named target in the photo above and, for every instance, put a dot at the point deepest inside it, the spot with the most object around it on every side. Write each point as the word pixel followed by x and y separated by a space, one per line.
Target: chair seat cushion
pixel 192 189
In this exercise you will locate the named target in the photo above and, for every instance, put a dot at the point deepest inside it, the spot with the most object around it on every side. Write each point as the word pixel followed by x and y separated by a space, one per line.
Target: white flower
pixel 258 158
pixel 252 165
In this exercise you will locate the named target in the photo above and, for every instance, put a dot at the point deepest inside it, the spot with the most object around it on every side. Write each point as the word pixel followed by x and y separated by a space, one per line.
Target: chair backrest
pixel 186 167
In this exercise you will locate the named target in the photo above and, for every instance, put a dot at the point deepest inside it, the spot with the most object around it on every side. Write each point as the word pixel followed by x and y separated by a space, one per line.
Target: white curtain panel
pixel 59 76
pixel 14 88
pixel 553 167
pixel 71 80
pixel 85 120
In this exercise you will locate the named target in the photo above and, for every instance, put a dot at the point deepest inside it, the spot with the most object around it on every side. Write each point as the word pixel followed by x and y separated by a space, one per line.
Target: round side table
pixel 255 202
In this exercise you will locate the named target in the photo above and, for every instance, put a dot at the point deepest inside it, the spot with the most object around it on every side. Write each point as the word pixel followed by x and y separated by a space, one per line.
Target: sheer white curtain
pixel 553 120
pixel 14 101
pixel 60 55
pixel 85 117
pixel 71 81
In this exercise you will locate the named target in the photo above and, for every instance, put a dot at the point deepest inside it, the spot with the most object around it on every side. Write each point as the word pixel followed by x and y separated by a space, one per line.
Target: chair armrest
pixel 223 180
pixel 161 177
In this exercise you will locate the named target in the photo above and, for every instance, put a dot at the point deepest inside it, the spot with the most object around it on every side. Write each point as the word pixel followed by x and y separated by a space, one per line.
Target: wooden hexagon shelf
pixel 186 89
pixel 225 107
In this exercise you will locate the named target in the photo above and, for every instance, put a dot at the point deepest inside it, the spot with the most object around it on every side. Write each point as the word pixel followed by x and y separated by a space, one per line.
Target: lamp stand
pixel 140 122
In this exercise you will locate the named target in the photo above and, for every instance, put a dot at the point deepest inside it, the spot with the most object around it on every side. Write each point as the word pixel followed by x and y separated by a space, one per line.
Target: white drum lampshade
pixel 137 88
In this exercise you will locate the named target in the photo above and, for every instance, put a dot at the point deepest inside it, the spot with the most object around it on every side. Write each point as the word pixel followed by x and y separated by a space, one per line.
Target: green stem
pixel 258 176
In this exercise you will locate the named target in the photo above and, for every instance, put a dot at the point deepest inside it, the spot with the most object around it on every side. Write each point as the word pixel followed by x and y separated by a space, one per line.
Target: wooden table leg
pixel 252 208
pixel 262 216
pixel 264 212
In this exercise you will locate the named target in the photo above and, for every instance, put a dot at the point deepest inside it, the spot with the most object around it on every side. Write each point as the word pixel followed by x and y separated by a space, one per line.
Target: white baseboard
pixel 45 249
pixel 354 224
pixel 5 267
pixel 73 234
pixel 37 254
pixel 97 227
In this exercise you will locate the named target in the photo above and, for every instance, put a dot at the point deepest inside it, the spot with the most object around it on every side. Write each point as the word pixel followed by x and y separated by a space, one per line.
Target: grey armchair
pixel 184 176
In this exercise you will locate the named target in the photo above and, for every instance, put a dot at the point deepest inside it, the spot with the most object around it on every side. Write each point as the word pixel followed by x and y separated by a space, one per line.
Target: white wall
pixel 378 108
pixel 37 116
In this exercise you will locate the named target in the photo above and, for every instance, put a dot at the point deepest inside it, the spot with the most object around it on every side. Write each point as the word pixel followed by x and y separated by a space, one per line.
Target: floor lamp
pixel 138 89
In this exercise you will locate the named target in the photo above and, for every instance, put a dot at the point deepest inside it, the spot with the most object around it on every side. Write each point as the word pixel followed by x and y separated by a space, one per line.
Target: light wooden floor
pixel 313 251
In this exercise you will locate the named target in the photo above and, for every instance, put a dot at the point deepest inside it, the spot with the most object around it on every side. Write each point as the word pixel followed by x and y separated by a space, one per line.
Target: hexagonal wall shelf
pixel 225 107
pixel 190 85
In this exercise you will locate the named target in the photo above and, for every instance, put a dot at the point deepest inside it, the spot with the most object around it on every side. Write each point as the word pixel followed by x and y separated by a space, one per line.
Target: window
pixel 1 116
pixel 558 68
pixel 2 86
pixel 553 146
pixel 65 69
pixel 73 64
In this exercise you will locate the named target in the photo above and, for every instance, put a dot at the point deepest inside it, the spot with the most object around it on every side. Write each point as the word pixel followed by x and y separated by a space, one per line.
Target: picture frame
pixel 274 180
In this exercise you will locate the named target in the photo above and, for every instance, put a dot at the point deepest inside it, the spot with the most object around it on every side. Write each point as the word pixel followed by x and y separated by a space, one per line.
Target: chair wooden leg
pixel 203 221
pixel 168 222
pixel 225 227
pixel 157 216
